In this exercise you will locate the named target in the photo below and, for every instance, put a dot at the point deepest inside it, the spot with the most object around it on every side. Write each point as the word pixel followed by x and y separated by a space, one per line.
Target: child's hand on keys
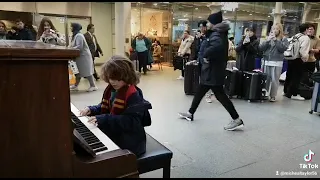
pixel 93 120
pixel 85 112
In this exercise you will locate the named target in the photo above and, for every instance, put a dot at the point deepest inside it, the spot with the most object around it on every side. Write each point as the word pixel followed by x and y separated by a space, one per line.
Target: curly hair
pixel 120 68
pixel 4 25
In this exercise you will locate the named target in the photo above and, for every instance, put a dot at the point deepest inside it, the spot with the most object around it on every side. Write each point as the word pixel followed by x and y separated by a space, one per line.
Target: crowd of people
pixel 47 33
pixel 123 112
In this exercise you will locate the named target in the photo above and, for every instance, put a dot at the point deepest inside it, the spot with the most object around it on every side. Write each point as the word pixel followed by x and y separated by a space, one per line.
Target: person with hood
pixel 213 57
pixel 273 49
pixel 84 61
pixel 247 50
pixel 3 31
pixel 185 49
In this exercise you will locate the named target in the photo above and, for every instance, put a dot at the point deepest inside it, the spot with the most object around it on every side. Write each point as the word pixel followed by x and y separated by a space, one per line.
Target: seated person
pixel 123 112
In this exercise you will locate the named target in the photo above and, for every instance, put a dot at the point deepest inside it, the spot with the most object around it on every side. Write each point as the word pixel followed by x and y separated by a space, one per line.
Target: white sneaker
pixel 283 94
pixel 180 78
pixel 297 97
pixel 208 99
pixel 272 99
pixel 74 88
pixel 92 89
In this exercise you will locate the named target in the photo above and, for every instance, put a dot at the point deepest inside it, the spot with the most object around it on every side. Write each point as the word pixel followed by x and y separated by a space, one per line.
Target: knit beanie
pixel 215 18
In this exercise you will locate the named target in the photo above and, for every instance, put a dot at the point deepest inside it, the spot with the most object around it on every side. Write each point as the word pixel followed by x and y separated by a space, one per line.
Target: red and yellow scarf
pixel 120 101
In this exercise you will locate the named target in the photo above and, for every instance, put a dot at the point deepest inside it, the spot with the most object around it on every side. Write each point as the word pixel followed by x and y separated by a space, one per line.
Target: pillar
pixel 277 14
pixel 127 22
pixel 306 10
pixel 215 7
pixel 122 26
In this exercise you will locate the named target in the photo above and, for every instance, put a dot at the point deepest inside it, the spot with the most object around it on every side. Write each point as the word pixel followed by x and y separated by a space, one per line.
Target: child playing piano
pixel 123 112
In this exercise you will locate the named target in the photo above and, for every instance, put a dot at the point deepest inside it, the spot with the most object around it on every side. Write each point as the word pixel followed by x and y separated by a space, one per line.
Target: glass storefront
pixel 166 21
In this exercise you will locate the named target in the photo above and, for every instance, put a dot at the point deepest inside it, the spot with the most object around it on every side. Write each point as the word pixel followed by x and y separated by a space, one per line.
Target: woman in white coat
pixel 185 48
pixel 84 61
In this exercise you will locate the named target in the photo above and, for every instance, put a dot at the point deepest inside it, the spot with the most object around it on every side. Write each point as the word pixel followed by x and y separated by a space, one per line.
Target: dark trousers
pixel 95 75
pixel 293 77
pixel 220 95
pixel 143 60
pixel 185 58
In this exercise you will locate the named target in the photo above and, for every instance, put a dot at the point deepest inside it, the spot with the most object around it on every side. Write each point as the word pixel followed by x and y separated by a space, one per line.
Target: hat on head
pixel 252 28
pixel 215 18
pixel 202 23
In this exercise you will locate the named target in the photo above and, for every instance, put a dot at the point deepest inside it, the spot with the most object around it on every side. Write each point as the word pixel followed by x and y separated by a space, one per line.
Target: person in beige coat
pixel 314 49
pixel 156 51
pixel 185 48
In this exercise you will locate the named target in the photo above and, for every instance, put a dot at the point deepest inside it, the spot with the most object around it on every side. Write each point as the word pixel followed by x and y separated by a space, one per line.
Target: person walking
pixel 213 57
pixel 94 46
pixel 84 61
pixel 273 49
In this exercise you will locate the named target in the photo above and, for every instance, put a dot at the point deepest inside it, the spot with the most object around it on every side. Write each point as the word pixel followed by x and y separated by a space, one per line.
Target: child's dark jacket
pixel 123 120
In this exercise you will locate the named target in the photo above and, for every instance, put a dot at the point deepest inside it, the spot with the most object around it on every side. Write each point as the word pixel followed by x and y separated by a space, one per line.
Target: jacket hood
pixel 221 27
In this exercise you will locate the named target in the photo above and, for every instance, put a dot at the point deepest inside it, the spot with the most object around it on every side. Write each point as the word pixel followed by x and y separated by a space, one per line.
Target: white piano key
pixel 96 131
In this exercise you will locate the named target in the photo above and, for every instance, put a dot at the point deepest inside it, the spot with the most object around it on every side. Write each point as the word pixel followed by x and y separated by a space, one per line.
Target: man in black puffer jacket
pixel 213 57
pixel 22 32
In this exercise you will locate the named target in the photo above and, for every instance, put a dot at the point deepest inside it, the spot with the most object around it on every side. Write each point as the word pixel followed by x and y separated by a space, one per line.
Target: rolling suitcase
pixel 233 83
pixel 315 99
pixel 178 63
pixel 191 78
pixel 305 91
pixel 254 84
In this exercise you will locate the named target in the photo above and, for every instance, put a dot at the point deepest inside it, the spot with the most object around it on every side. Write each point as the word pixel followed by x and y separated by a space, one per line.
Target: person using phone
pixel 273 49
pixel 247 50
pixel 47 33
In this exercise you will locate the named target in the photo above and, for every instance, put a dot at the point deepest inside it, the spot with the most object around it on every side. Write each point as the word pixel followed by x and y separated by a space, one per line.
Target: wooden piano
pixel 38 136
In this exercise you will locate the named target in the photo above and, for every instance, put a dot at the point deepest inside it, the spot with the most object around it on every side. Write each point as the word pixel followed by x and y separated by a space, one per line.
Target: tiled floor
pixel 275 137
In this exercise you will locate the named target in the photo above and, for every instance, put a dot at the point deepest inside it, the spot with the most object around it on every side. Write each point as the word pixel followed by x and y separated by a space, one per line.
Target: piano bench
pixel 157 156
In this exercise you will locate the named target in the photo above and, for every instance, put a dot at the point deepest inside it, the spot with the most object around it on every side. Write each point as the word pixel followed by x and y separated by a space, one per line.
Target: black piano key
pixel 96 145
pixel 100 149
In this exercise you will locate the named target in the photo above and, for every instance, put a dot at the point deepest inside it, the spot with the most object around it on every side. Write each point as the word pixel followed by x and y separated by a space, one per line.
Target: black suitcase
pixel 254 85
pixel 191 79
pixel 233 83
pixel 305 91
pixel 178 63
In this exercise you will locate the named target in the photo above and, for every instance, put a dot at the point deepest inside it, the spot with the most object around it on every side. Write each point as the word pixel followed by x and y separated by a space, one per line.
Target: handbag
pixel 73 66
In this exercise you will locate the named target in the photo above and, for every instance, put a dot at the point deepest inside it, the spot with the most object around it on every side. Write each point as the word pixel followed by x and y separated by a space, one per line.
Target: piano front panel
pixel 36 132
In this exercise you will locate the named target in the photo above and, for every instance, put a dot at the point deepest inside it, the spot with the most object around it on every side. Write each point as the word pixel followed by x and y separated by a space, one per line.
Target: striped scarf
pixel 120 101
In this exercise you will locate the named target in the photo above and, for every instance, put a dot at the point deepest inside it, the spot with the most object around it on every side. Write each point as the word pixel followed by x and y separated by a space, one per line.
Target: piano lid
pixel 34 49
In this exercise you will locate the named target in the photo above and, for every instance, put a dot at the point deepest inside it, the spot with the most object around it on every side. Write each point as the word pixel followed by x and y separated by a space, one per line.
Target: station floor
pixel 275 138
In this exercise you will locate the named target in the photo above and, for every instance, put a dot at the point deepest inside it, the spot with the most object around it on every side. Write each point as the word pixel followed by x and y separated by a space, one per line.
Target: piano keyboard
pixel 96 139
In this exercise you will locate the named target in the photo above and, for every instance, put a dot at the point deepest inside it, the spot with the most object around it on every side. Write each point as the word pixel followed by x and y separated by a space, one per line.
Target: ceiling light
pixel 183 19
pixel 173 18
pixel 224 11
pixel 196 8
pixel 250 14
pixel 199 17
pixel 155 4
pixel 268 16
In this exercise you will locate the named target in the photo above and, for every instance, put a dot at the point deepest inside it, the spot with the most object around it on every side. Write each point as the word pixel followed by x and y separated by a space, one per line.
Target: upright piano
pixel 42 135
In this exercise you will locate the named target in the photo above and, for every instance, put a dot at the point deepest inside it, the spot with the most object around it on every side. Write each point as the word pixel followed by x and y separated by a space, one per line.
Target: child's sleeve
pixel 123 122
pixel 95 110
